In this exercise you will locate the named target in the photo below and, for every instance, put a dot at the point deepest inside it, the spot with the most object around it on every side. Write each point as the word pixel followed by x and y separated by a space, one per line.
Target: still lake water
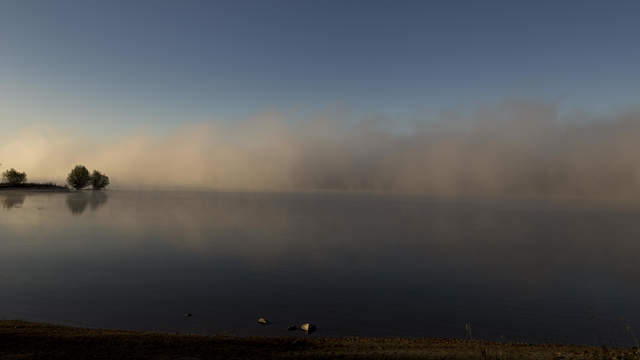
pixel 355 264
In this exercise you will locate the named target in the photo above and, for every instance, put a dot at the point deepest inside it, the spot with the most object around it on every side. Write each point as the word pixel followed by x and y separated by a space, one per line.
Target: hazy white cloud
pixel 512 149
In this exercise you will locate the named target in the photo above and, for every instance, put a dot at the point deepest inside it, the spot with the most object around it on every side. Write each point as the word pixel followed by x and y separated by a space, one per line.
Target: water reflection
pixel 13 201
pixel 79 201
pixel 356 265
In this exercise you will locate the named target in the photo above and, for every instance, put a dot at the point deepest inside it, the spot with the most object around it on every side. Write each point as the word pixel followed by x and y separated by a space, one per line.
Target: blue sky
pixel 117 65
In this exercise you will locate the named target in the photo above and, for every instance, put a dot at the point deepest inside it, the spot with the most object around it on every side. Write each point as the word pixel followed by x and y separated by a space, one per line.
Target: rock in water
pixel 292 327
pixel 308 328
pixel 262 321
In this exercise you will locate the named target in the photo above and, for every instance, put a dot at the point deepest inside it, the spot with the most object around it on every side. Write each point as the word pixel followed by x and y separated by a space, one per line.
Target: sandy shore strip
pixel 26 340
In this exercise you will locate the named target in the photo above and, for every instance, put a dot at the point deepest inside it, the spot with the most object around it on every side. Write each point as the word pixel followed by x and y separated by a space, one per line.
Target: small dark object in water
pixel 308 328
pixel 292 327
pixel 262 321
pixel 188 315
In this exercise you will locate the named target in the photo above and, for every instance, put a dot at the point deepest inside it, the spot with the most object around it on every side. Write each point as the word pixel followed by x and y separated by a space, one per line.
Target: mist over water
pixel 515 149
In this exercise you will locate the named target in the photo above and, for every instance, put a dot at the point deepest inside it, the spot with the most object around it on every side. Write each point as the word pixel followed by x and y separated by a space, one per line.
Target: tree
pixel 99 180
pixel 14 177
pixel 79 177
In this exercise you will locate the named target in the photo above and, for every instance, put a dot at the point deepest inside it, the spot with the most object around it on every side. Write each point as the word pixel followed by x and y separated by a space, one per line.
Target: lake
pixel 354 264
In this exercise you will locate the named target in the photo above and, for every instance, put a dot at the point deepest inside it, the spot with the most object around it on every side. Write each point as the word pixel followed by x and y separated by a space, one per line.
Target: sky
pixel 113 70
pixel 162 63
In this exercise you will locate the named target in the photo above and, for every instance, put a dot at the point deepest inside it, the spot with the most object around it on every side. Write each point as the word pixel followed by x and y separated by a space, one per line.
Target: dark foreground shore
pixel 25 340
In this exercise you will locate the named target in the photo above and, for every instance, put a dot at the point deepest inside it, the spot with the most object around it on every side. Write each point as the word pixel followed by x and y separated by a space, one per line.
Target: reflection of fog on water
pixel 417 266
pixel 78 202
pixel 13 201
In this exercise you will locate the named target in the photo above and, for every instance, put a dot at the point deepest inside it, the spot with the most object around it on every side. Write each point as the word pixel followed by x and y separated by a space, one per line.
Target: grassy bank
pixel 25 340
pixel 34 187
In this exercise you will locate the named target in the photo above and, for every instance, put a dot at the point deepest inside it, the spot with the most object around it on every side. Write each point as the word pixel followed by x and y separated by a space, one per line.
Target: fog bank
pixel 510 150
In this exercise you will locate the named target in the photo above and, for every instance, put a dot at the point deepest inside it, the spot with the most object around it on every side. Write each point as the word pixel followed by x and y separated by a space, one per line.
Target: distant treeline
pixel 78 178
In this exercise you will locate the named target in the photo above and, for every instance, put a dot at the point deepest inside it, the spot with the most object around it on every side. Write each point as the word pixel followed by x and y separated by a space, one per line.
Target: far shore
pixel 46 187
pixel 27 340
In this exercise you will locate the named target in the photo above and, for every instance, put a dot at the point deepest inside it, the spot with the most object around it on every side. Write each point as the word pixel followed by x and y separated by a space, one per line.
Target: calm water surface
pixel 367 265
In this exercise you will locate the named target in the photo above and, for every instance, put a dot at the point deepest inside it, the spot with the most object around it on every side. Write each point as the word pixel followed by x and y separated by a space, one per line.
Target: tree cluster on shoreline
pixel 78 178
pixel 14 177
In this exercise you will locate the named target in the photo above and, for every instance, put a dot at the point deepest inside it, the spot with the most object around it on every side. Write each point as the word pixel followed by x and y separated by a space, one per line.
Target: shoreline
pixel 29 340
pixel 34 187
